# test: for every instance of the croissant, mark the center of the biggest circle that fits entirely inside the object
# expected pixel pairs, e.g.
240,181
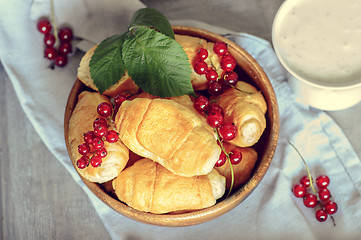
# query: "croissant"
168,133
191,45
243,170
245,107
125,84
81,121
147,186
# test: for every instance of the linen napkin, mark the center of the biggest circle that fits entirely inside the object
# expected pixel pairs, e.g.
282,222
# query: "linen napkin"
270,212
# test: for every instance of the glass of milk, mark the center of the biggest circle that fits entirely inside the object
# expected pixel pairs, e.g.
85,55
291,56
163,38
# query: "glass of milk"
319,43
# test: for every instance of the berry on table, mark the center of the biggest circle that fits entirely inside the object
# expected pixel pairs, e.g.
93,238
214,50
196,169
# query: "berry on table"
305,181
299,190
322,181
331,207
50,53
65,48
310,200
44,26
324,194
65,34
321,215
61,60
49,40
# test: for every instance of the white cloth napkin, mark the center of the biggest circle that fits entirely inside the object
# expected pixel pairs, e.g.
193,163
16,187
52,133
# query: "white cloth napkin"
270,212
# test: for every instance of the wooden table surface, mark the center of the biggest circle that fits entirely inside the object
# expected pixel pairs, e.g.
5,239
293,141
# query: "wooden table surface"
39,199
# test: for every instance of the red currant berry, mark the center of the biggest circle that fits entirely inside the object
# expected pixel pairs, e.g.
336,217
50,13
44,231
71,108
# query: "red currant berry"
220,48
44,26
102,153
227,131
228,63
119,99
100,131
89,136
82,162
201,104
321,215
97,143
96,161
212,75
61,60
235,156
215,120
215,108
215,88
299,190
200,68
222,160
310,200
83,148
322,181
65,48
305,181
112,136
331,207
202,54
324,194
50,53
104,109
65,34
49,40
100,121
231,78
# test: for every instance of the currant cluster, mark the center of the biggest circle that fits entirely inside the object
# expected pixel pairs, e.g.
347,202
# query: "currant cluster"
322,198
217,82
92,149
226,131
58,54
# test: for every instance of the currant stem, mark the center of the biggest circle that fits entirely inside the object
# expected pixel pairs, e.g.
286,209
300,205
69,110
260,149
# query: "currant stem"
229,161
308,170
52,19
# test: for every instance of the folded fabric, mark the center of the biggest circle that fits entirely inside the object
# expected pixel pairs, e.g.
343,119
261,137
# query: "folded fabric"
270,212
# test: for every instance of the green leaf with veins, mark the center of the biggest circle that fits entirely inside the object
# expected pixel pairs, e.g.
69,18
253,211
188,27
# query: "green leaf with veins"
152,18
157,63
106,64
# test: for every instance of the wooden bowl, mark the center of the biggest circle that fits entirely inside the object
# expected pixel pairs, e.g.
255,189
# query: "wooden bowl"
250,71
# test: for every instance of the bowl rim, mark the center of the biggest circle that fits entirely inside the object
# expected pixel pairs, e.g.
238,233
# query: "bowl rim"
225,205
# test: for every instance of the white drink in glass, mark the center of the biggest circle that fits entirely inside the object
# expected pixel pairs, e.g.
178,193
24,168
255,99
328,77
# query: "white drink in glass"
319,41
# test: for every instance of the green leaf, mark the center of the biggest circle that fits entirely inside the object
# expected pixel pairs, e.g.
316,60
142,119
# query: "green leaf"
106,64
152,18
157,63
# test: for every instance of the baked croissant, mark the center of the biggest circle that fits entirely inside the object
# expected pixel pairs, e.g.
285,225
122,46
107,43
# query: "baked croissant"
191,45
81,121
147,186
125,84
246,108
168,133
243,170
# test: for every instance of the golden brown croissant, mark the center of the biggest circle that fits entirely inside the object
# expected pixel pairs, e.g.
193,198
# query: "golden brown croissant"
191,45
246,109
125,84
81,121
147,186
168,133
243,170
